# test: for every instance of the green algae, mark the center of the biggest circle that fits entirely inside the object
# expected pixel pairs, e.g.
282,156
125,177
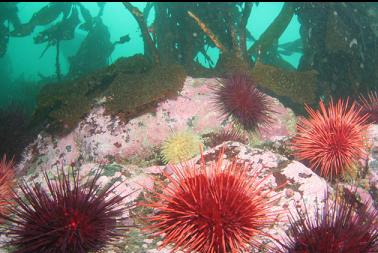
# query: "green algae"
134,94
130,86
300,87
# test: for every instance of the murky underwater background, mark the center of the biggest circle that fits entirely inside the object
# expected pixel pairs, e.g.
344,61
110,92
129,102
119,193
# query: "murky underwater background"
134,87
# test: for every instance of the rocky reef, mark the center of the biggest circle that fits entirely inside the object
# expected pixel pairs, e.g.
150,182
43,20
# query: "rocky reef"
129,154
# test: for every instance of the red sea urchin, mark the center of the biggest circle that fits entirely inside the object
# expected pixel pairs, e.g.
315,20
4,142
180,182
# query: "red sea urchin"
341,226
69,217
237,96
212,209
6,182
369,106
332,139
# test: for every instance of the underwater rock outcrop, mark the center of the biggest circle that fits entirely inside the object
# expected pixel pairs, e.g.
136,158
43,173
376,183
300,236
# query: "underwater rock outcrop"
129,153
101,136
129,87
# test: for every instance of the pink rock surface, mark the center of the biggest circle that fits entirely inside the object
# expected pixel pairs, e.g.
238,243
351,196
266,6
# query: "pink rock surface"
47,152
193,109
100,136
373,158
283,123
365,197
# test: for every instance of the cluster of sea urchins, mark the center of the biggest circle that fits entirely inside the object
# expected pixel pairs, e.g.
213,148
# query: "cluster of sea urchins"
342,225
238,97
331,139
217,208
66,217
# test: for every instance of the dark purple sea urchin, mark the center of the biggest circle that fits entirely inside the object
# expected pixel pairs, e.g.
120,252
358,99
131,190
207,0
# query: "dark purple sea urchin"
237,96
68,217
216,138
369,106
341,226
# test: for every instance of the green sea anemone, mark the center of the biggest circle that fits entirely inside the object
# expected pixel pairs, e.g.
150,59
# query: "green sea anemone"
181,146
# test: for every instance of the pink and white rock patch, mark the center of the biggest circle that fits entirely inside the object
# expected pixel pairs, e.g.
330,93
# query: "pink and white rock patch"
99,136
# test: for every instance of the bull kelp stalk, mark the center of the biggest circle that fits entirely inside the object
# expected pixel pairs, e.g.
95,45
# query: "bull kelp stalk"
147,9
243,27
9,12
237,33
57,63
139,17
176,37
274,31
209,33
238,48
